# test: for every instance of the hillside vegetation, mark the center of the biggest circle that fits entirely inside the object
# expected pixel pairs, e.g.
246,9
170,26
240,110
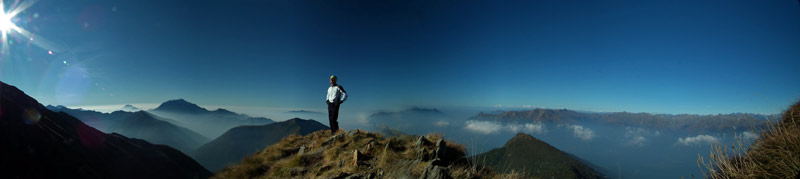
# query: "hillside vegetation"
535,158
243,141
775,154
359,154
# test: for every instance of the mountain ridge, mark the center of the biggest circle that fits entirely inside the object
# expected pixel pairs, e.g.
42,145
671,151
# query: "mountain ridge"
39,143
209,123
720,122
360,154
143,125
240,141
535,158
139,124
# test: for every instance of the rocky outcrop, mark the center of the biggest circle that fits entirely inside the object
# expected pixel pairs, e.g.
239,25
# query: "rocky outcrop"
358,154
438,159
242,141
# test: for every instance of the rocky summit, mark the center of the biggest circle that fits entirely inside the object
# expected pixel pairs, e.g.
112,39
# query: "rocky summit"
359,154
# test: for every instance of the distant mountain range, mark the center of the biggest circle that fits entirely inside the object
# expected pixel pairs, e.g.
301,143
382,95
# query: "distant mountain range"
304,112
39,143
145,126
720,122
141,125
535,158
208,123
242,141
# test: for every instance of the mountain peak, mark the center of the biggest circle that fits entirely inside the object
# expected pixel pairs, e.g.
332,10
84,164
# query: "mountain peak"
375,156
179,105
298,121
129,107
523,137
524,151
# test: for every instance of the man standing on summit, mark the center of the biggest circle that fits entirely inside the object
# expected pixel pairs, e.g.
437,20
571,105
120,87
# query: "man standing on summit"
336,96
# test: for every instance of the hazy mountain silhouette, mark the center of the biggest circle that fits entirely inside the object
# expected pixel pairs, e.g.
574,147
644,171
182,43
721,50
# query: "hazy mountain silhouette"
719,122
141,125
535,158
39,143
210,124
242,141
130,108
180,105
304,112
413,120
98,120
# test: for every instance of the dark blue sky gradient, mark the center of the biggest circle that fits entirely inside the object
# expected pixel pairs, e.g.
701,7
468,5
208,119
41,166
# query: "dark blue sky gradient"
688,56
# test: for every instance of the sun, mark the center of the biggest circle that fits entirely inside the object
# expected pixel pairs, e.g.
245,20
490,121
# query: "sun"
5,22
7,26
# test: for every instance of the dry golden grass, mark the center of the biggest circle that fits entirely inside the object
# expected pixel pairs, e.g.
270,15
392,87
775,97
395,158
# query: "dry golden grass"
775,154
386,157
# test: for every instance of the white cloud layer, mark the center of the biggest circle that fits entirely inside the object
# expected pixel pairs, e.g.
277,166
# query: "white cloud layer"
749,136
581,132
485,127
637,141
636,136
489,127
441,123
529,128
698,140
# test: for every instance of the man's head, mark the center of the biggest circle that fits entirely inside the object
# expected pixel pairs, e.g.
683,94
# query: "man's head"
333,79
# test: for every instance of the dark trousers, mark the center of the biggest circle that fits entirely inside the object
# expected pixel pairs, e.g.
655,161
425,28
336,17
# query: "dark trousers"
333,115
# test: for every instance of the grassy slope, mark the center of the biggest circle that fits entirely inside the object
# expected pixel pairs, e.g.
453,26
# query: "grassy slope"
535,158
391,157
242,141
775,154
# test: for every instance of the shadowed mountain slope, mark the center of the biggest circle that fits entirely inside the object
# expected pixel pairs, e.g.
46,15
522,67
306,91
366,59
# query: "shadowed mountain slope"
141,125
535,158
39,143
239,142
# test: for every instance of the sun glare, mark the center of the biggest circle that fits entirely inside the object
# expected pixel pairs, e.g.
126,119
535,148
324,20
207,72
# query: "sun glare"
5,19
7,26
5,22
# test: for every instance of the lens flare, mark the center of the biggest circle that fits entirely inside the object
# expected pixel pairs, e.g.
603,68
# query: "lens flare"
9,28
31,116
5,22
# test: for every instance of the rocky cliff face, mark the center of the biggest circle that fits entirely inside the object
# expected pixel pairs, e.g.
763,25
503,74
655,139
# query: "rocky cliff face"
39,143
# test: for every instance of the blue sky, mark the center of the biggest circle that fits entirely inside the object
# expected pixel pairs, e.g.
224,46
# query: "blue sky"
701,57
